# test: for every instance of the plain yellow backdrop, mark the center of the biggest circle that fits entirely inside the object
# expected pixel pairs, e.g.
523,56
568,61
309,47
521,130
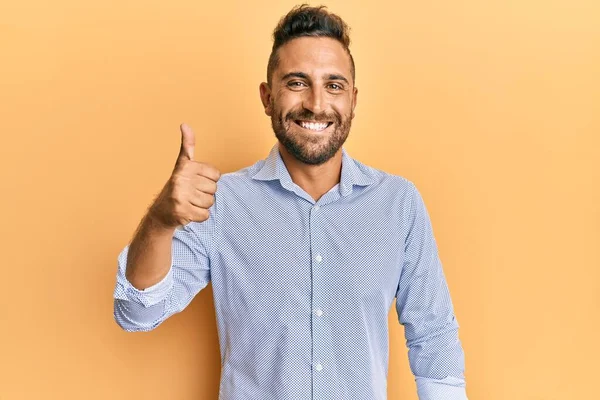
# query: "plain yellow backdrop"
490,107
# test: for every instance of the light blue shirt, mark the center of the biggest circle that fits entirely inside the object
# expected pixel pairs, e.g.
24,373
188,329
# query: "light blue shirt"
303,289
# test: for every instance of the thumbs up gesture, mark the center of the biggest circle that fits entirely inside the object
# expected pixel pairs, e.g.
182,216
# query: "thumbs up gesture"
189,192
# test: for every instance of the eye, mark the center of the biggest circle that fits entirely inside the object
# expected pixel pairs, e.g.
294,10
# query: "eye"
335,86
296,84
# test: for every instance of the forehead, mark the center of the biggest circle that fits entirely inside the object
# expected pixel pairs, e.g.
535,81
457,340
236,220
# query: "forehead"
314,56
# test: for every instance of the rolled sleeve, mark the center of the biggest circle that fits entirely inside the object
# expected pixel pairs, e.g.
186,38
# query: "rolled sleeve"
449,388
147,297
425,310
139,310
144,310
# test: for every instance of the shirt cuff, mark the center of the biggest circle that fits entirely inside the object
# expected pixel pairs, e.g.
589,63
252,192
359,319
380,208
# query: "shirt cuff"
147,297
449,388
154,294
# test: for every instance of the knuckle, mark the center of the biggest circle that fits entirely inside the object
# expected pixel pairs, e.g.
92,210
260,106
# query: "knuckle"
207,201
210,172
176,196
201,168
204,200
205,186
212,188
176,181
204,214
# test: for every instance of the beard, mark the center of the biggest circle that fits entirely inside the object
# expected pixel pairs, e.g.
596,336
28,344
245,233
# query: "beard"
316,148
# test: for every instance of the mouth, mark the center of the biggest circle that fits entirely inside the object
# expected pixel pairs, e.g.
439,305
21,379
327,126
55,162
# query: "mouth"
313,126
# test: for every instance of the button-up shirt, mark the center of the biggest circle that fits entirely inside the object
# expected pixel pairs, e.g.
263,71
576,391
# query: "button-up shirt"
303,288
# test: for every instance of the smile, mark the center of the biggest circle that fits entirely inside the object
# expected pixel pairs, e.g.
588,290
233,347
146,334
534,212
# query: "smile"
313,126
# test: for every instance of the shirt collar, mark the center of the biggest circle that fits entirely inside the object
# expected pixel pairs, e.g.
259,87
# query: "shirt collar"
274,168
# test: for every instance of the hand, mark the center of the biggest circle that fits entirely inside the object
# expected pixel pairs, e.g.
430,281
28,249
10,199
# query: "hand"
189,192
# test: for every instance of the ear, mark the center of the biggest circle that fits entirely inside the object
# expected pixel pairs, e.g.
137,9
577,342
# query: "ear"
265,97
354,100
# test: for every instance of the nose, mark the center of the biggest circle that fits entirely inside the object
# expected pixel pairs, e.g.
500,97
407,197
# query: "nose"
313,100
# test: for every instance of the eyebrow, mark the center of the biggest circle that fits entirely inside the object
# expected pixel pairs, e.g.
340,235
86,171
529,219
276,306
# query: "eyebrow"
302,75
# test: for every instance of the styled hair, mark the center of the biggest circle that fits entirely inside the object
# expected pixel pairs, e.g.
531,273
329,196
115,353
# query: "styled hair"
304,20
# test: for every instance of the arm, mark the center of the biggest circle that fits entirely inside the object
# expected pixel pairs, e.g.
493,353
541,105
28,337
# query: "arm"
164,267
425,310
168,268
149,254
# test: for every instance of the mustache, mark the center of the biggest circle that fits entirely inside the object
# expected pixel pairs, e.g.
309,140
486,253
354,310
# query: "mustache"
308,115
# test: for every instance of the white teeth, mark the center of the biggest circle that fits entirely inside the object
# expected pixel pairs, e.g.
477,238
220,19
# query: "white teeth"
313,126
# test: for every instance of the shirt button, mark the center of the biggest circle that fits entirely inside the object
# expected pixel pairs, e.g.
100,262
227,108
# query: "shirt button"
318,312
319,258
316,208
318,367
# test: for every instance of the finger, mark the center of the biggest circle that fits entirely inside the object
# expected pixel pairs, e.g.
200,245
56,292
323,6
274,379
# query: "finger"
202,200
188,142
208,171
205,185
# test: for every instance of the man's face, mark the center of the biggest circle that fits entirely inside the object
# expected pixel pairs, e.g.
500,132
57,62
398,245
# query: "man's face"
312,98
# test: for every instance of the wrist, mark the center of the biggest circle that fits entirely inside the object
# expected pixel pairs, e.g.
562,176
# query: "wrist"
156,224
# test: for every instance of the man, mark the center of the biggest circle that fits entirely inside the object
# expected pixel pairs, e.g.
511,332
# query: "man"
306,249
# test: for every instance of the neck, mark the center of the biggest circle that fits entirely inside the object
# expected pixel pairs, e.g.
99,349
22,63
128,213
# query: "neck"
316,180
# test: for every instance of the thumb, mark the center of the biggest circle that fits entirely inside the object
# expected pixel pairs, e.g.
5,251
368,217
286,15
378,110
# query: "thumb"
188,141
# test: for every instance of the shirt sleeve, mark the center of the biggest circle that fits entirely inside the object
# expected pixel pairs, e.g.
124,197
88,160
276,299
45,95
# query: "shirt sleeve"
425,310
144,310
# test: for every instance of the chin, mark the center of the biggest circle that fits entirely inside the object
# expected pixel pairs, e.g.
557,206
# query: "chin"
309,156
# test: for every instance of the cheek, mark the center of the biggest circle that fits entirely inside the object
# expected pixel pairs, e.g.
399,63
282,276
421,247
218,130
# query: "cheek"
289,100
343,107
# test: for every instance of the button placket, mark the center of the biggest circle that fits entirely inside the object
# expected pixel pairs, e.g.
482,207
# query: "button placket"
319,329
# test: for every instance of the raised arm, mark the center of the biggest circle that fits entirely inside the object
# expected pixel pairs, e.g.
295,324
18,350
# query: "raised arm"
167,262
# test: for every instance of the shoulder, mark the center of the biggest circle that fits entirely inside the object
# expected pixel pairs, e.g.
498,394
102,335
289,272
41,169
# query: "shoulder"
241,175
391,181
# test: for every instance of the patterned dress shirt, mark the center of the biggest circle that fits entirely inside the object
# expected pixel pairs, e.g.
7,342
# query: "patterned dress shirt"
303,288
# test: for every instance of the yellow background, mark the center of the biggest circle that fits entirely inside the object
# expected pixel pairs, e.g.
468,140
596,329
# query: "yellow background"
490,107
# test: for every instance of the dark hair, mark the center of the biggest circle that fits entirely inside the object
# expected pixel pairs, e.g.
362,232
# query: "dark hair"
304,20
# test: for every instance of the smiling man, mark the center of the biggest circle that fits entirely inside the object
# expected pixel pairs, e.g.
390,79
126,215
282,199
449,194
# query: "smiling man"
310,97
307,250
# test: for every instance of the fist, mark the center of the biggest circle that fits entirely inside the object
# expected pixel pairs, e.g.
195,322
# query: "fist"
190,191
